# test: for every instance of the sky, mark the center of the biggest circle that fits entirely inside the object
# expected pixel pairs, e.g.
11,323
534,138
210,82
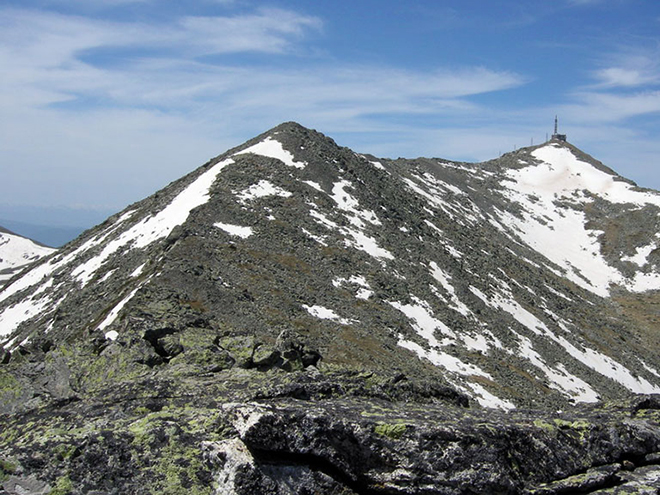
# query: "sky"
103,102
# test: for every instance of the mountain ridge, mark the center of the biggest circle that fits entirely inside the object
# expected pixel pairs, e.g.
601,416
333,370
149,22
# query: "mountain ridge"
360,231
292,269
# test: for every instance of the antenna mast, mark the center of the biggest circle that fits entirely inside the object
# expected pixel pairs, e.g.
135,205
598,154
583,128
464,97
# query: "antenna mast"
556,136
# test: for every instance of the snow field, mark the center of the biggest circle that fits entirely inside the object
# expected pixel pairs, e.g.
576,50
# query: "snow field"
364,290
17,251
560,233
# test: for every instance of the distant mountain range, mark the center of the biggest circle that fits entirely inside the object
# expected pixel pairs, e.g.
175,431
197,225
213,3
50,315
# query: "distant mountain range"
44,234
16,252
296,317
52,226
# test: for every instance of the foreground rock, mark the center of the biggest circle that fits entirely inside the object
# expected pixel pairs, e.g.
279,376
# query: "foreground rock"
204,437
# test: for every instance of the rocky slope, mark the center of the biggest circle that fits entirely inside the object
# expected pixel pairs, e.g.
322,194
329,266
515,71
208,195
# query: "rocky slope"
16,252
294,317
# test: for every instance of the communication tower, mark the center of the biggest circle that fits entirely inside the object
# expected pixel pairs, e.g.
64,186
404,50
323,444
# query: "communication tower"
556,136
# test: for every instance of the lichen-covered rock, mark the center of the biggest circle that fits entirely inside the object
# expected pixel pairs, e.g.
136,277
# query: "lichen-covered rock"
211,434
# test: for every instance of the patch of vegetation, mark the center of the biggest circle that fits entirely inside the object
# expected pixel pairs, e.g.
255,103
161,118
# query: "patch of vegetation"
10,388
393,431
7,468
63,486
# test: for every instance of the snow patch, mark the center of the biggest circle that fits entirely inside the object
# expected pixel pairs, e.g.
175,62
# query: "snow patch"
23,311
327,314
424,323
157,226
137,271
367,244
348,203
445,280
112,315
364,290
315,185
486,399
323,220
272,148
235,230
560,232
589,357
558,378
262,189
641,254
317,238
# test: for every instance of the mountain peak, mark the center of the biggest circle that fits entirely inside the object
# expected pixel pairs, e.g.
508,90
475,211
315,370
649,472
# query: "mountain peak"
289,127
319,224
291,286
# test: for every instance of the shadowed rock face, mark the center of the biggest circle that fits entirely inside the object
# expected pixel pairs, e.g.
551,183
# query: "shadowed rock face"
294,317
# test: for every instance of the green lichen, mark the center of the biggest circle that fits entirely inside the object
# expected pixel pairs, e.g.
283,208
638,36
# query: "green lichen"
7,468
162,444
573,425
63,486
10,388
8,436
544,425
64,451
389,430
240,348
179,467
200,353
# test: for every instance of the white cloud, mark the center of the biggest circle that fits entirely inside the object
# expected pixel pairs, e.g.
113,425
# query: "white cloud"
626,77
49,37
597,107
100,102
626,87
268,31
155,114
628,68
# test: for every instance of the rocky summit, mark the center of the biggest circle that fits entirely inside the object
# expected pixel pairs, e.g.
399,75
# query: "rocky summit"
294,317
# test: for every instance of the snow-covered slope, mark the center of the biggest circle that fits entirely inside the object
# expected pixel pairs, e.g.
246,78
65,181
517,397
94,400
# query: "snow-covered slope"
554,194
516,281
16,252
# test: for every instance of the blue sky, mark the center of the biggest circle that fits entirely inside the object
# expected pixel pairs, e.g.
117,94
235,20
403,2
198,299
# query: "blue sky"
102,102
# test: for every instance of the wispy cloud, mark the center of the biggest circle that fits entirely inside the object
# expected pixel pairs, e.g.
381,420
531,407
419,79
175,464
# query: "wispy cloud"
627,85
74,70
51,59
613,77
267,31
598,107
628,68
